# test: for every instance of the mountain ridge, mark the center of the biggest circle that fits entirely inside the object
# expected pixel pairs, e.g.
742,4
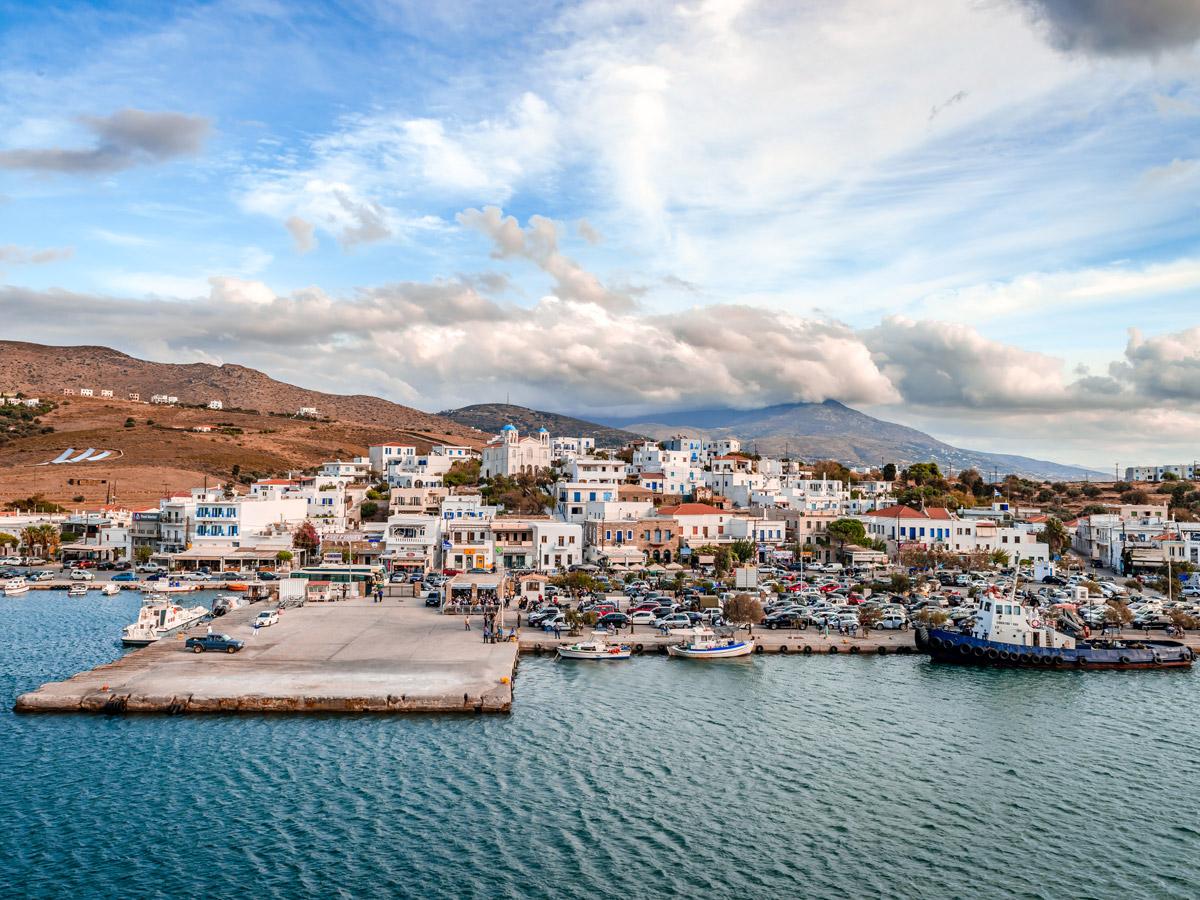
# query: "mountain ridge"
832,430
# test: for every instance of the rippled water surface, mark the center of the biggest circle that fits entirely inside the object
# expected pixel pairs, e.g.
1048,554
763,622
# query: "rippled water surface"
768,777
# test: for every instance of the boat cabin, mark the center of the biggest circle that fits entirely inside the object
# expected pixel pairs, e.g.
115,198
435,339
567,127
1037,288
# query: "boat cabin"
1005,620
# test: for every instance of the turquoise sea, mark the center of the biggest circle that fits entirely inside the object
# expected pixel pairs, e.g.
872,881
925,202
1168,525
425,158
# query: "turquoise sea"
767,777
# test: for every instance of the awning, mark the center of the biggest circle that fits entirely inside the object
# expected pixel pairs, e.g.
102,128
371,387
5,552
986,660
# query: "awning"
624,555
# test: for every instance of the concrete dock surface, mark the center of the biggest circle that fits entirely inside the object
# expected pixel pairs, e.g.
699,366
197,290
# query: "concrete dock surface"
346,656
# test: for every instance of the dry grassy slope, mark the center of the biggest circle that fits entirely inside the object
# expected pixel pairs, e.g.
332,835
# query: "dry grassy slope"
168,456
41,370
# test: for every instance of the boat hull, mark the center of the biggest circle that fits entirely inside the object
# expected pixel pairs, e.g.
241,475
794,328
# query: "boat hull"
16,592
144,639
963,649
743,648
613,653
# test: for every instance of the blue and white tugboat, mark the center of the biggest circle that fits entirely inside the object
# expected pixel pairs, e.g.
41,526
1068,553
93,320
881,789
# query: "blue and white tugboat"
1006,633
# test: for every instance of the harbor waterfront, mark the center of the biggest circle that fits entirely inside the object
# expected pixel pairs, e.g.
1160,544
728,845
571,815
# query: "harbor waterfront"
869,776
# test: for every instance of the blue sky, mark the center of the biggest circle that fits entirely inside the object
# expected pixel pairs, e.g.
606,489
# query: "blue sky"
951,215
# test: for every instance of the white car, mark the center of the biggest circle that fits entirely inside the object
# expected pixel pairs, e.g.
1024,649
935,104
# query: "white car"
10,561
642,617
674,620
266,617
82,575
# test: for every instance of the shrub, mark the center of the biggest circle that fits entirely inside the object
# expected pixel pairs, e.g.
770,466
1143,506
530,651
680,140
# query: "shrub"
743,608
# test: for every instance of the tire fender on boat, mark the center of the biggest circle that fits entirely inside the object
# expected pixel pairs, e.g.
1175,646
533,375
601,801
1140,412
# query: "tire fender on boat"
1024,658
1124,660
977,651
993,653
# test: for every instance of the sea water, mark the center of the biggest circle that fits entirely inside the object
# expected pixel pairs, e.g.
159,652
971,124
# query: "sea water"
765,777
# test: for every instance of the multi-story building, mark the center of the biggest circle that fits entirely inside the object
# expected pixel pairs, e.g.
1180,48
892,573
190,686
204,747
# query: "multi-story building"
557,545
564,448
411,542
587,480
383,456
1182,471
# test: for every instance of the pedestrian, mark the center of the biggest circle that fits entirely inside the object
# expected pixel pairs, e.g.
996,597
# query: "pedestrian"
209,630
254,631
467,623
557,629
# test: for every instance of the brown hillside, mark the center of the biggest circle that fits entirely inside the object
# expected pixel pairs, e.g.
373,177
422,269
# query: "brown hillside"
152,459
40,370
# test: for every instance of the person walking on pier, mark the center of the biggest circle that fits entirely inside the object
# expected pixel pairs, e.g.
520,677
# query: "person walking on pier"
466,623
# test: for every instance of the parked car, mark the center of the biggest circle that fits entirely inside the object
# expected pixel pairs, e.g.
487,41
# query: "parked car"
642,617
433,599
267,617
267,576
125,576
397,578
613,620
10,561
674,620
785,619
214,642
556,617
41,576
82,575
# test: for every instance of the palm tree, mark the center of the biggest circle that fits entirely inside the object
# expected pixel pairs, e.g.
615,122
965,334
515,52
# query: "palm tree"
50,541
1054,535
30,537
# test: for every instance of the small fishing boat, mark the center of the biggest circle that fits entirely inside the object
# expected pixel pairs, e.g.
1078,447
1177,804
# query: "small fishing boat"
15,586
596,647
78,589
110,589
707,644
237,586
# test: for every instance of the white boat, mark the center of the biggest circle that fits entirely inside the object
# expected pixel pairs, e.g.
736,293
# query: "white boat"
170,586
708,645
157,619
597,647
78,589
15,586
111,588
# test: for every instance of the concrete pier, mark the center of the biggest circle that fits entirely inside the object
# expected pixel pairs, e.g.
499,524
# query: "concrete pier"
346,656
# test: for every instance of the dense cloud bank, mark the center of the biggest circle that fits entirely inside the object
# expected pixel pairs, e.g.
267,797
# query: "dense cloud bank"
448,343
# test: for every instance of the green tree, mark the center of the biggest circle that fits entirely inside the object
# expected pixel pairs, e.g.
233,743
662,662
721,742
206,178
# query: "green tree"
141,555
462,472
1054,535
284,556
743,550
846,531
923,473
367,509
8,540
889,472
999,558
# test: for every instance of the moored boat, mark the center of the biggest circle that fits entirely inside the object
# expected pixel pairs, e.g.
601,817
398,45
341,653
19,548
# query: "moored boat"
111,588
78,589
159,618
15,586
707,644
597,647
170,586
1006,633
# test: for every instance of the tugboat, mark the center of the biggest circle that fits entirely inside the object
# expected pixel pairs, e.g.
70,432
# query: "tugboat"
1006,633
